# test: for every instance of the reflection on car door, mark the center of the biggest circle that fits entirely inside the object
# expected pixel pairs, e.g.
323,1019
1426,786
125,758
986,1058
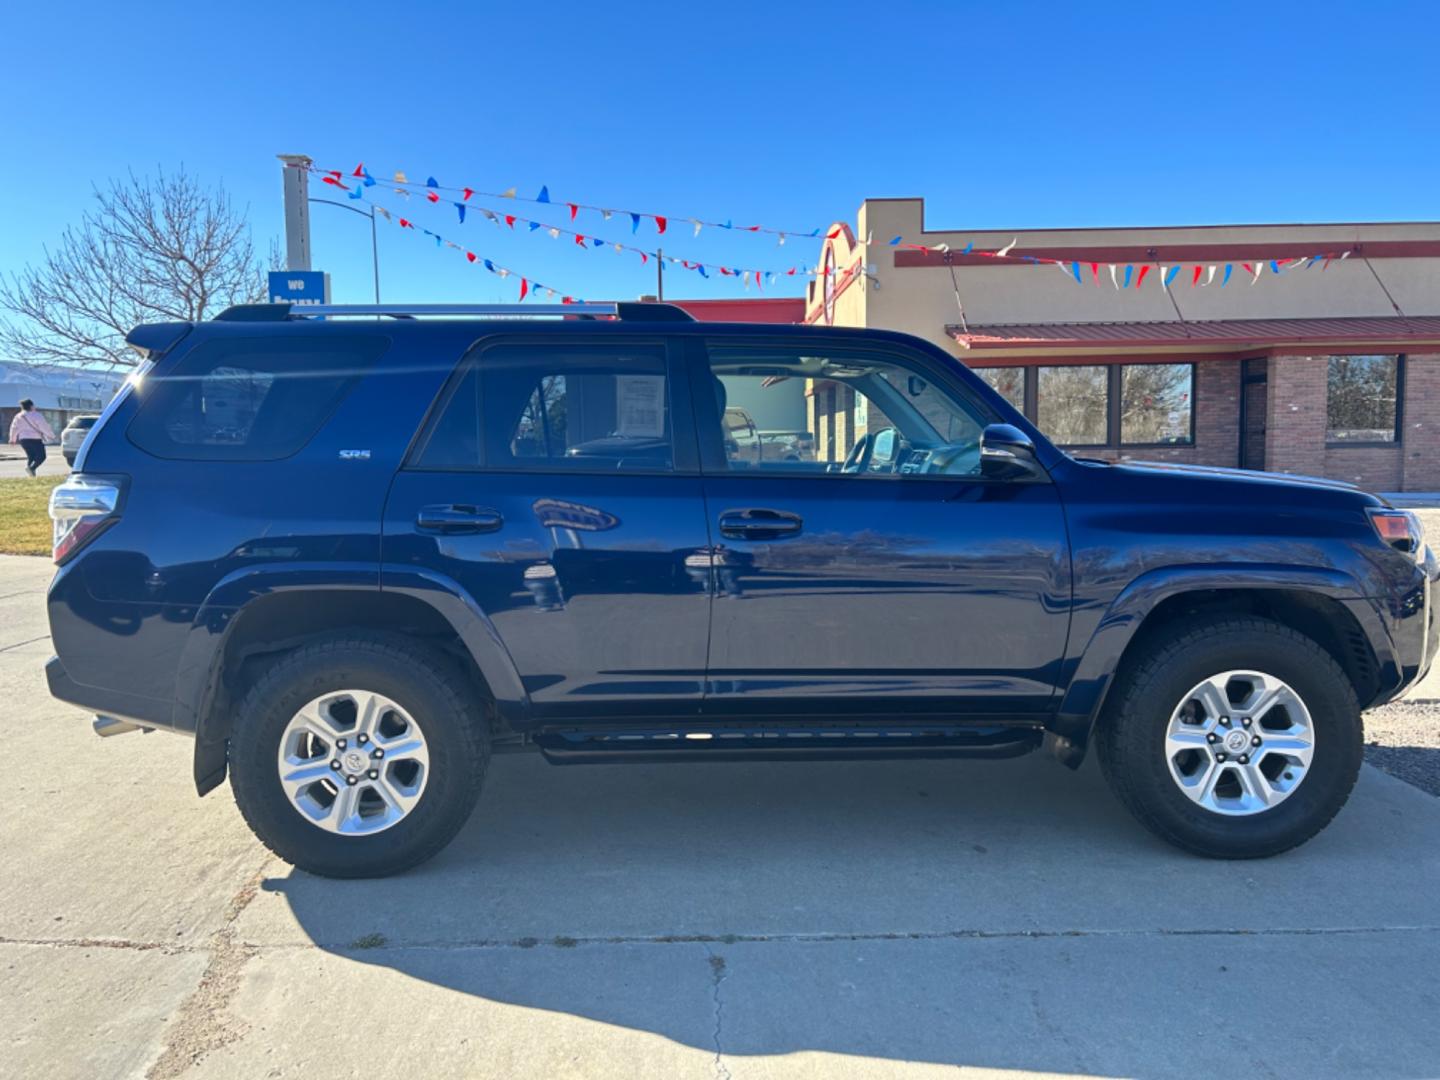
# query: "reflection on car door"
850,593
557,488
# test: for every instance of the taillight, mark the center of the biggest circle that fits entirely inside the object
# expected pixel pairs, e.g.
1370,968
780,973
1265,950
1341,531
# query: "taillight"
81,508
1401,529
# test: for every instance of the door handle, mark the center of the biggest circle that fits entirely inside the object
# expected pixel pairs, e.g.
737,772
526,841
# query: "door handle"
455,518
759,524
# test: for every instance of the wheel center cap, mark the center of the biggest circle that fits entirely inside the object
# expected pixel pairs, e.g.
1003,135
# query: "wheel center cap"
354,762
1236,741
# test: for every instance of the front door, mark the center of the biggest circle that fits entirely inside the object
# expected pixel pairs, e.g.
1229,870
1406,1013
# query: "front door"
556,487
1253,404
880,572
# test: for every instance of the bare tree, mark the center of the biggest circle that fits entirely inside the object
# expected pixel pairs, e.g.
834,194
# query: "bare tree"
165,249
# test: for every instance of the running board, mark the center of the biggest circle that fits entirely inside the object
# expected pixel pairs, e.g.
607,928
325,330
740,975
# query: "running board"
576,746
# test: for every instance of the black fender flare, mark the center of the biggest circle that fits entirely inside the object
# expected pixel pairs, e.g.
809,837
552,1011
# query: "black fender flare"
1084,695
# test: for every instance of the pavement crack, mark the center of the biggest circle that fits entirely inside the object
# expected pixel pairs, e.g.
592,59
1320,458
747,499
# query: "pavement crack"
718,974
21,644
203,1022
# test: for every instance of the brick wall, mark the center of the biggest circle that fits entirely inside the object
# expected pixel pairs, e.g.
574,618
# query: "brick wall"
1420,431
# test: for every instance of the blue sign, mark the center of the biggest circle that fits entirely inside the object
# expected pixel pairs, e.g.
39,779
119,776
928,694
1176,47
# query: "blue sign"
299,287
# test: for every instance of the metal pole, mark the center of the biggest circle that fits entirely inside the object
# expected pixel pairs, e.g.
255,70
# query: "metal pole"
660,274
297,211
374,255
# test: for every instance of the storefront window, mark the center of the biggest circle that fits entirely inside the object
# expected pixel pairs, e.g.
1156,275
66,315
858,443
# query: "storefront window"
1073,404
1156,404
1008,382
1361,399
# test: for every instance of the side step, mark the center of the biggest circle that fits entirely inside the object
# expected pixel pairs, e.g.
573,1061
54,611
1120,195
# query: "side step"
576,746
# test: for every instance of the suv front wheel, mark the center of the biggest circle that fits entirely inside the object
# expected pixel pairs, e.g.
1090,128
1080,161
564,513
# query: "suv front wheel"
358,757
1234,738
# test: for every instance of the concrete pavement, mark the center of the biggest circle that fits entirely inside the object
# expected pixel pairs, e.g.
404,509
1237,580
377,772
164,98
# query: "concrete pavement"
770,920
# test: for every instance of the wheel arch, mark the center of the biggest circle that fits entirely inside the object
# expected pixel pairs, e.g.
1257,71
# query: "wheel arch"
246,623
1324,605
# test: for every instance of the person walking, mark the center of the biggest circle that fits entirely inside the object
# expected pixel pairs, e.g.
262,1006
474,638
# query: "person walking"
30,430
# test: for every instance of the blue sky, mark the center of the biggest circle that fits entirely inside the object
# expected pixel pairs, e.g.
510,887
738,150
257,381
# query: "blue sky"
1001,115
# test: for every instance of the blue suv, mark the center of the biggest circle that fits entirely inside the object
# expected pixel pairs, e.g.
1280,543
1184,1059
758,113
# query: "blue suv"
353,552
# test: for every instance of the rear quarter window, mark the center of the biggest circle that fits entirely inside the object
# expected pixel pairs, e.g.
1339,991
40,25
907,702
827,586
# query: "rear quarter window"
249,399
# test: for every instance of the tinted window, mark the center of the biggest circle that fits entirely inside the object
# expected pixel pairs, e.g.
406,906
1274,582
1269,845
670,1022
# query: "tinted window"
256,399
1361,395
1156,403
846,413
1072,404
556,407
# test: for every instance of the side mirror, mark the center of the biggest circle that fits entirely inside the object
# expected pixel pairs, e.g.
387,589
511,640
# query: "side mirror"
1007,453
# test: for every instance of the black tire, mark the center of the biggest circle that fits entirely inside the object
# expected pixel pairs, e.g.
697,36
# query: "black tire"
1130,740
424,684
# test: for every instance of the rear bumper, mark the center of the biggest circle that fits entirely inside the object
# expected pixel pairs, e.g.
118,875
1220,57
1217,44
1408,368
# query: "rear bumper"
141,711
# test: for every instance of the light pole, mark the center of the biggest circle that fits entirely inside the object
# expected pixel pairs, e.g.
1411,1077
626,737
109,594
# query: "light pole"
374,250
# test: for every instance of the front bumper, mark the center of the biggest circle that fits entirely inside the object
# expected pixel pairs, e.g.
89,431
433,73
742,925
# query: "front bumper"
1414,629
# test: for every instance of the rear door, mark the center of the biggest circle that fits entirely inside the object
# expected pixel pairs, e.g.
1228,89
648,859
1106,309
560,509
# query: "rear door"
557,484
885,575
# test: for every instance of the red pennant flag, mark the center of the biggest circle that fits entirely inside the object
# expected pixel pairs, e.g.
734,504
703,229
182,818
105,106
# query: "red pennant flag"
510,220
1141,279
1196,279
470,255
833,233
790,272
580,240
359,170
468,193
644,258
524,288
406,224
333,172
1095,272
331,180
1248,268
573,210
433,197
659,224
752,228
724,271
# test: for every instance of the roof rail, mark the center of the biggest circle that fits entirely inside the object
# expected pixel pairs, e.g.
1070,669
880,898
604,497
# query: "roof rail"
628,312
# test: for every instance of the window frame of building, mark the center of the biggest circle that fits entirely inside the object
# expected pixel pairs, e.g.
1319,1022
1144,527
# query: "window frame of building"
1114,404
1399,418
683,449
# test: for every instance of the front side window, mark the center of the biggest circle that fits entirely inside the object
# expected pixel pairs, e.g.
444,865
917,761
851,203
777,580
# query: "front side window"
1073,404
839,414
1362,393
556,408
249,399
1156,404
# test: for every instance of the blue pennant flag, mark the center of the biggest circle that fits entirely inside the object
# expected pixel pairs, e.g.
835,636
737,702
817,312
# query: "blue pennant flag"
701,268
728,225
968,248
896,240
1128,271
460,206
815,233
432,183
1075,269
358,193
1171,275
489,266
544,195
369,180
597,241
534,225
1274,267
1225,280
634,223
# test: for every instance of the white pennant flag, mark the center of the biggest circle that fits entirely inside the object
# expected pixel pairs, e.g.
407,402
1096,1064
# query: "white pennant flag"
383,212
554,234
490,214
1164,273
1210,276
503,272
745,279
870,237
1006,249
1344,255
1113,279
550,292
1259,266
942,248
607,214
697,226
782,240
620,247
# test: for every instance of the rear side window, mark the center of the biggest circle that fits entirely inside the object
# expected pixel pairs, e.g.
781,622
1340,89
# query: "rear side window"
561,408
250,399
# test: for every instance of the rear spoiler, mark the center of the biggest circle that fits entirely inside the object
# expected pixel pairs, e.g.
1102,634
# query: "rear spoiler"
151,339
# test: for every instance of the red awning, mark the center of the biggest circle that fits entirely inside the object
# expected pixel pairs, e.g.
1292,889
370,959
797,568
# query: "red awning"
1222,333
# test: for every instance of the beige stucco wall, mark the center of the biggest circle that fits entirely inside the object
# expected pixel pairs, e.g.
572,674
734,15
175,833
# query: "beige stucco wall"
920,300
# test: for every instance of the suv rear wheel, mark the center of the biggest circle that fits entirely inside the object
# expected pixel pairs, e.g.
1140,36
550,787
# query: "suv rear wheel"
1233,738
359,757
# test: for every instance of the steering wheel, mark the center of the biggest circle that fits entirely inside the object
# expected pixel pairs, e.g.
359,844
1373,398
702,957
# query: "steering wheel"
858,460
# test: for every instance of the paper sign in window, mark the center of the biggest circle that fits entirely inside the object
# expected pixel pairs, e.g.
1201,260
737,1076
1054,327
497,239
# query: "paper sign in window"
640,405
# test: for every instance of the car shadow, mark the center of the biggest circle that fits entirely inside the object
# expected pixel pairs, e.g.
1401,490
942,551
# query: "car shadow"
963,913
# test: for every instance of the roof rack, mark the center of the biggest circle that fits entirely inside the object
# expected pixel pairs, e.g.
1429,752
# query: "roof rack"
628,312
